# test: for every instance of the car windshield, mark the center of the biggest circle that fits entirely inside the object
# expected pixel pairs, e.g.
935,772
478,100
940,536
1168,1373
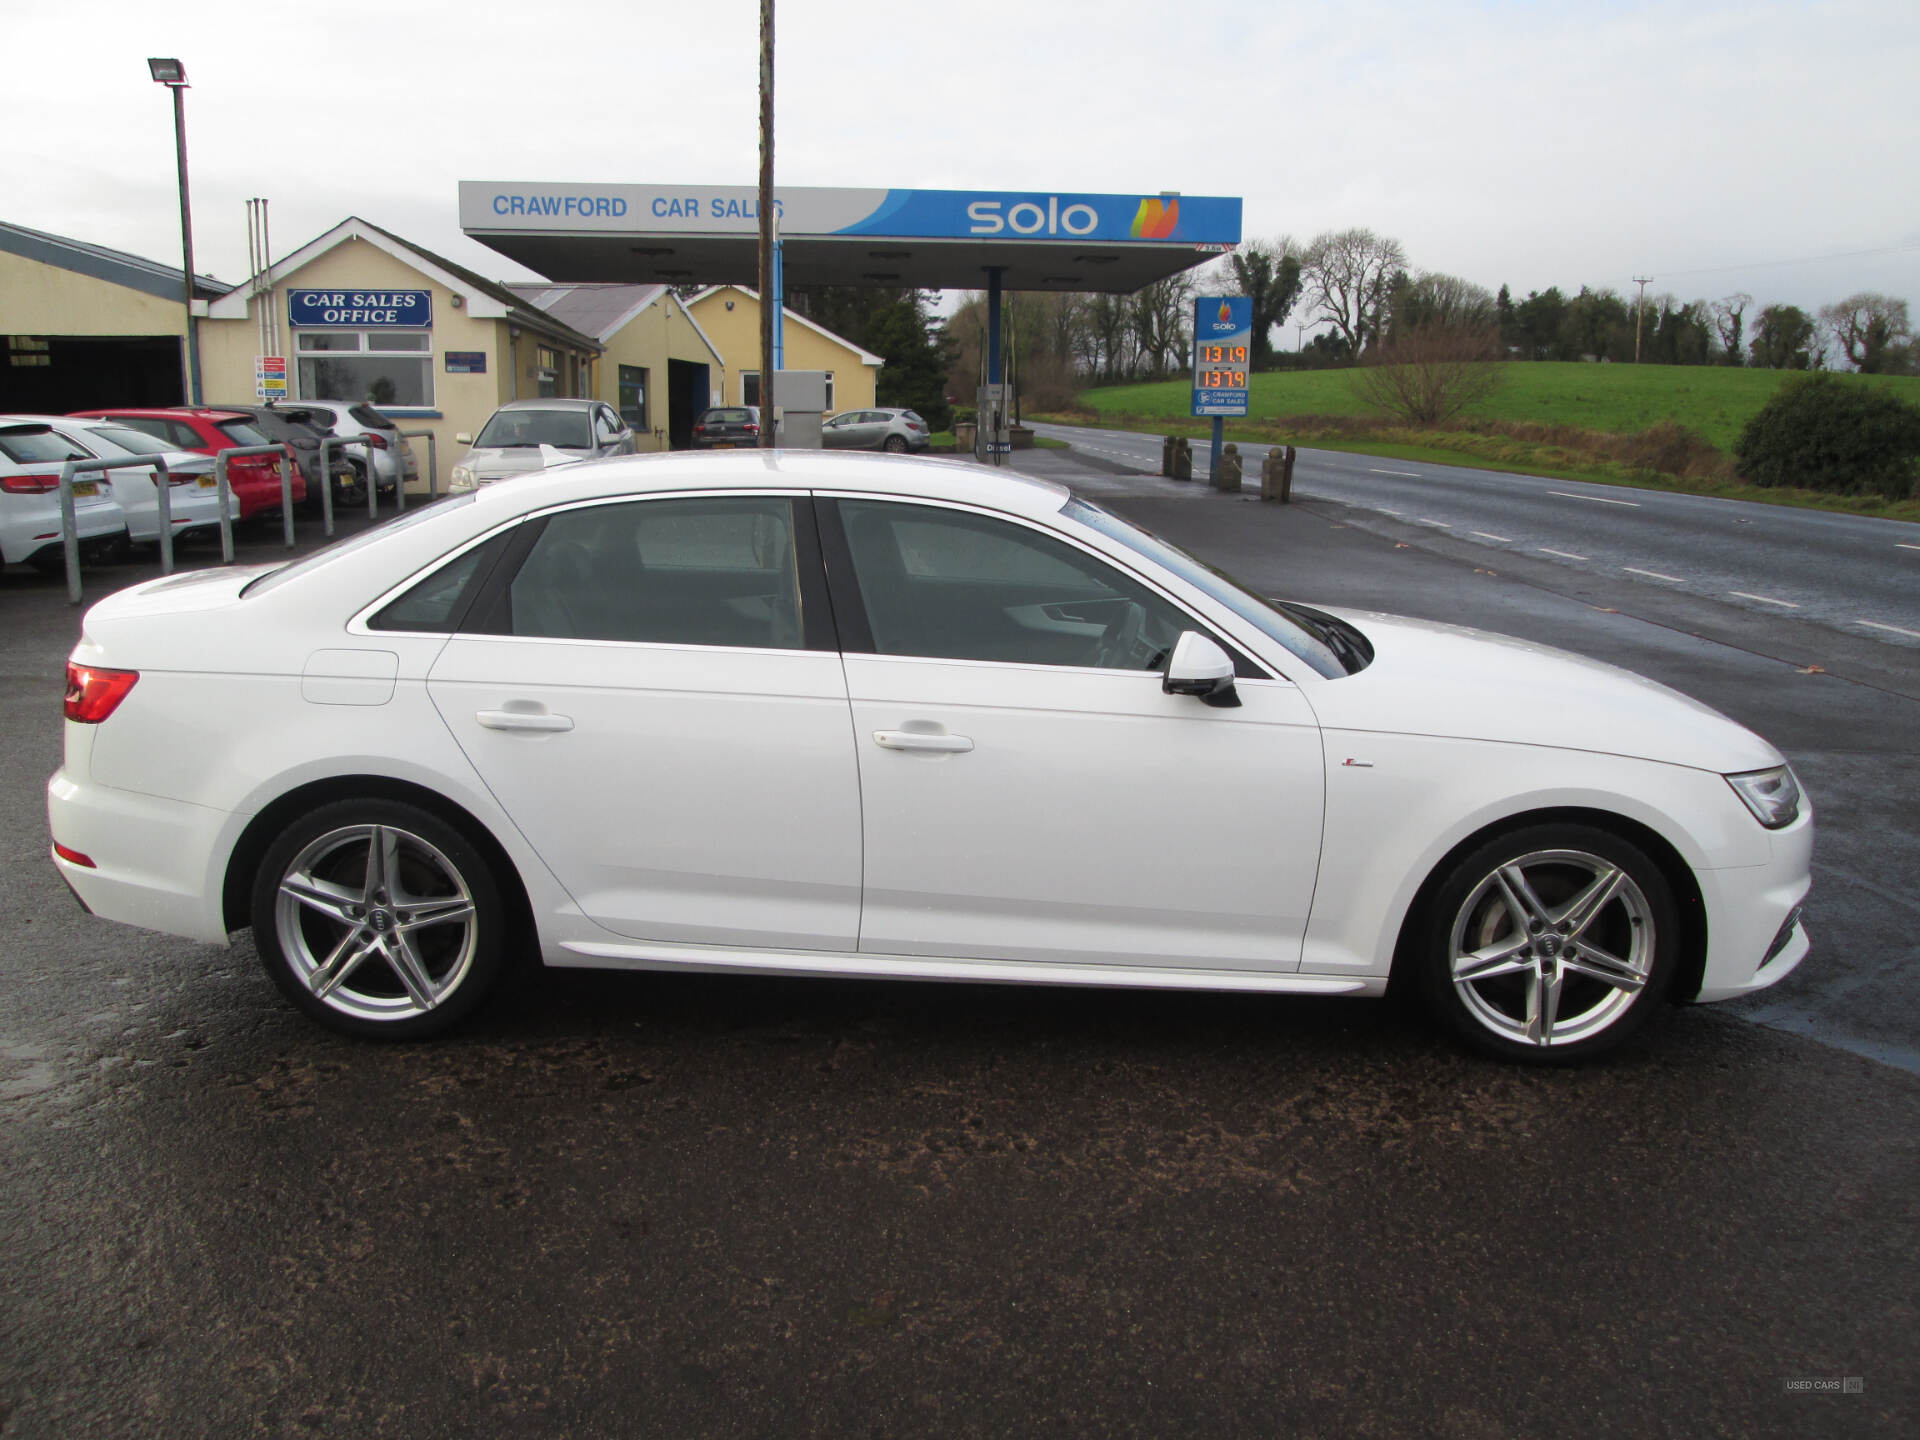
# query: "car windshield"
273,579
512,429
1265,615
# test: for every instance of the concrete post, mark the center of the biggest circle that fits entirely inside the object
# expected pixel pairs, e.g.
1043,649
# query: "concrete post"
1226,470
1182,459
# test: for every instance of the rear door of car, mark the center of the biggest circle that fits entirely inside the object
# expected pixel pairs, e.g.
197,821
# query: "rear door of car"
653,692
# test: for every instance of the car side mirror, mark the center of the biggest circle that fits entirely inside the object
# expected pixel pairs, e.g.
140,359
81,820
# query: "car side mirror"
461,437
1200,668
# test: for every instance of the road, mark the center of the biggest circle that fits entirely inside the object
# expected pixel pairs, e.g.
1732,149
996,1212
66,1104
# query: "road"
1854,575
689,1205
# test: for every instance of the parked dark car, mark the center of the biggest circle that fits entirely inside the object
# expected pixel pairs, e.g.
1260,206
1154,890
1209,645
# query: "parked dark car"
303,438
727,427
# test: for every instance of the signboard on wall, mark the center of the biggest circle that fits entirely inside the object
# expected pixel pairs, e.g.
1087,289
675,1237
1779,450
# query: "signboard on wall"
1222,354
359,309
270,378
466,362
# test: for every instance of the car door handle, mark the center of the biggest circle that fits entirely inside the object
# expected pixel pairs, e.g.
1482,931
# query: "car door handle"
921,740
523,720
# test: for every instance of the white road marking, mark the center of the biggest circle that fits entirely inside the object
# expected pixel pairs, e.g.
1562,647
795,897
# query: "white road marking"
1485,536
1563,554
1876,625
1441,523
1596,499
1764,599
1677,579
1904,546
1403,474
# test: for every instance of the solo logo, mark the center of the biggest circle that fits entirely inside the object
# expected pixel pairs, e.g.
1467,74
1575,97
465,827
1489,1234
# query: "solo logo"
1025,217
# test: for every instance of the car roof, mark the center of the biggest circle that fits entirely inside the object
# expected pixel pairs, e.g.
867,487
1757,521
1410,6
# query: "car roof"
555,402
880,475
162,412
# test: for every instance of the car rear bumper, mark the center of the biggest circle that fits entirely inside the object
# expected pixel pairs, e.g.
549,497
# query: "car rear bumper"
27,529
153,858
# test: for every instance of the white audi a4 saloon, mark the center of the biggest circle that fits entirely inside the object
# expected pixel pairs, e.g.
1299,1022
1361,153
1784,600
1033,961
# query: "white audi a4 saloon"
822,714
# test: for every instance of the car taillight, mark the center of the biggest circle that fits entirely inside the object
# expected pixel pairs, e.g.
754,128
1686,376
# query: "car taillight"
29,484
752,429
93,694
376,440
73,857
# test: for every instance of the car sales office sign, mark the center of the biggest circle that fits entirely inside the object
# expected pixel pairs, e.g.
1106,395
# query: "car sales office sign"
1222,345
360,309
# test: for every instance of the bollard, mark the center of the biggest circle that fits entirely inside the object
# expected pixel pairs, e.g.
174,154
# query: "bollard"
226,507
1182,459
163,501
286,494
1227,477
70,533
1276,475
1166,455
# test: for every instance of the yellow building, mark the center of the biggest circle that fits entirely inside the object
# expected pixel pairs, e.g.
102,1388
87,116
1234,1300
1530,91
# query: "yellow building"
657,367
730,314
361,314
85,326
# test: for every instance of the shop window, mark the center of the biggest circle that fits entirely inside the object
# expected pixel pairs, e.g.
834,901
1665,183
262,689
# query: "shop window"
829,375
546,371
380,367
633,397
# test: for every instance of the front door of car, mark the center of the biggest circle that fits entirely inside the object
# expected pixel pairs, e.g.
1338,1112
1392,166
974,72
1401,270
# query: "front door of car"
1029,790
837,433
655,699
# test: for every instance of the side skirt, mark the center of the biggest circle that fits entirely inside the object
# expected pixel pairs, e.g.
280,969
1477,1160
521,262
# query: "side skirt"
605,955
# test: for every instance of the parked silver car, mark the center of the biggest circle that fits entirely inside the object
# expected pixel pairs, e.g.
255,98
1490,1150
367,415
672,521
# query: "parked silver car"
392,456
528,435
896,430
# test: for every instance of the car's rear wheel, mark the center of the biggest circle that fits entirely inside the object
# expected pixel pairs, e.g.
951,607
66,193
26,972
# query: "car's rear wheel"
895,444
1549,944
379,919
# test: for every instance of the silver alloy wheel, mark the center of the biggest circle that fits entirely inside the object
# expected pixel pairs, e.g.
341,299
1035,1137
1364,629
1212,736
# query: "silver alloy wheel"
376,922
1552,948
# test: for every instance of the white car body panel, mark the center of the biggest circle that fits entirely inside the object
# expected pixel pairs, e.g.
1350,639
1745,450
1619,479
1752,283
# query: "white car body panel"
970,870
190,506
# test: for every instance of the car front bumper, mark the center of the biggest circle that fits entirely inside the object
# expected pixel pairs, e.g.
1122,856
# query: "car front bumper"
1747,908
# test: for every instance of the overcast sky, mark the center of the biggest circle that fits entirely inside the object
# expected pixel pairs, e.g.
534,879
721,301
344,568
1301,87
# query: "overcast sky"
1764,146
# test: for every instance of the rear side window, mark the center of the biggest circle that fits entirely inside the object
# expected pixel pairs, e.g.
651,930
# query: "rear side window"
39,446
243,432
369,417
437,603
134,442
716,572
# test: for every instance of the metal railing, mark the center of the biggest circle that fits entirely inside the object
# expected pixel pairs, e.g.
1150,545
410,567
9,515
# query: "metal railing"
433,463
70,522
327,445
220,460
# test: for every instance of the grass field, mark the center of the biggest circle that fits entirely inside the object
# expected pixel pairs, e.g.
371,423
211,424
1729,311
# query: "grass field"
1569,420
1714,400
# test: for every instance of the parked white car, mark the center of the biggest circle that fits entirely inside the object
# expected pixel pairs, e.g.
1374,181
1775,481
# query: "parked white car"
31,457
523,436
193,494
392,456
817,714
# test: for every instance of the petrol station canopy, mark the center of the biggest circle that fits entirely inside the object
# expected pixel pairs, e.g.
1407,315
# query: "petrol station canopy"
930,239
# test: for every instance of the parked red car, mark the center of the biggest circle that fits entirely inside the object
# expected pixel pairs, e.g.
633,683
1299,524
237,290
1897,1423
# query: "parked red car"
255,478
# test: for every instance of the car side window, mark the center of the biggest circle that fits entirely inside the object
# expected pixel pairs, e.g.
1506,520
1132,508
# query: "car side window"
436,604
719,571
951,584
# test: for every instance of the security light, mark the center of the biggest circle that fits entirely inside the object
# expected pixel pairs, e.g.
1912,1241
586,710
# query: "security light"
168,72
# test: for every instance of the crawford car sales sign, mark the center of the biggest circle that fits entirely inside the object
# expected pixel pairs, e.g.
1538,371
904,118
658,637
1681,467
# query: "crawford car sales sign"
359,309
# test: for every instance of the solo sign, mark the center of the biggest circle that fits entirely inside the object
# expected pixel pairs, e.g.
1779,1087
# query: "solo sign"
1222,352
359,309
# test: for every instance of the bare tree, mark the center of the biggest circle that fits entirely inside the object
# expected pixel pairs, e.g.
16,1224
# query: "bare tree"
1349,278
1729,319
1871,331
1429,374
1109,324
1159,312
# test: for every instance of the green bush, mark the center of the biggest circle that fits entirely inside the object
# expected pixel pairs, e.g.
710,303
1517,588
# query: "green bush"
1822,434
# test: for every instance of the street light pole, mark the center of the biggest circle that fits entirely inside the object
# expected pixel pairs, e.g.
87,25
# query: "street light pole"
173,75
768,297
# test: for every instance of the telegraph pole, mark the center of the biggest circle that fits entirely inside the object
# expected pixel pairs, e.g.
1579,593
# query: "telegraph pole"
767,298
1639,309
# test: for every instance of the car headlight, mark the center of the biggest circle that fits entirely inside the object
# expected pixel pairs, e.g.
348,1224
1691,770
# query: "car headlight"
1772,795
462,478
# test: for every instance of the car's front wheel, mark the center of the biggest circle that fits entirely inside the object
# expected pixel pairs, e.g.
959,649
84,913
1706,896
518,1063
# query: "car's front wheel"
1553,943
379,919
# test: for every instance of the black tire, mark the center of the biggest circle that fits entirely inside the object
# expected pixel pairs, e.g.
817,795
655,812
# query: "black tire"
430,947
894,445
1558,987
